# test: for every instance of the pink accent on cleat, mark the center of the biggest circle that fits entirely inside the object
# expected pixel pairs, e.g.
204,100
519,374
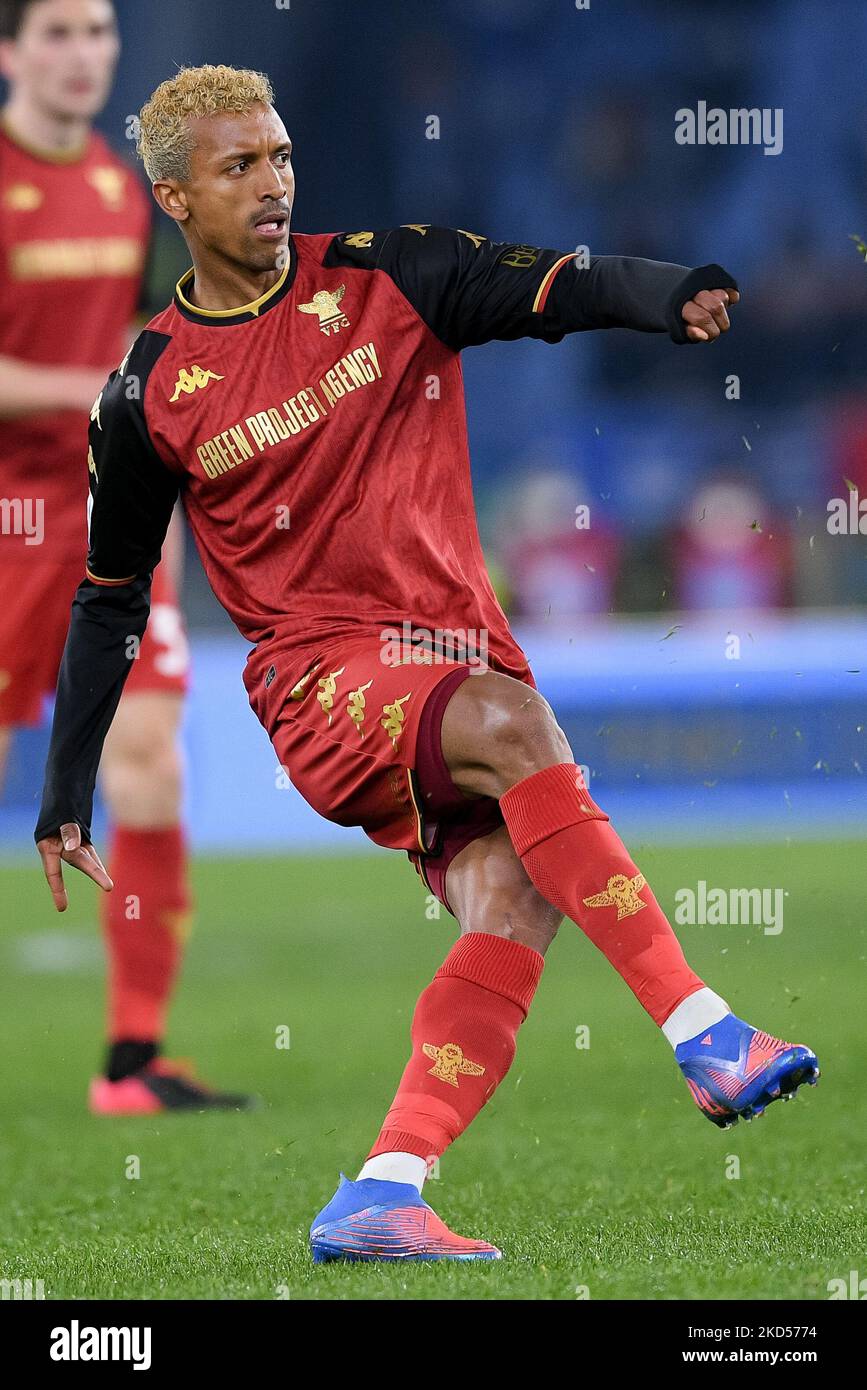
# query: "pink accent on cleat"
127,1097
401,1233
763,1049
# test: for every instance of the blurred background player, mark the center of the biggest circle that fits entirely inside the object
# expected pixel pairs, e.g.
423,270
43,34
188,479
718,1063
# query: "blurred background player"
74,228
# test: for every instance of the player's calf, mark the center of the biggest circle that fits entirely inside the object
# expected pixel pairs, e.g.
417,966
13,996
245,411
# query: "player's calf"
489,891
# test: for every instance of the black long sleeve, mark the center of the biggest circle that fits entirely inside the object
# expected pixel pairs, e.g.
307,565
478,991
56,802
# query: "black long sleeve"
132,498
629,292
105,626
470,290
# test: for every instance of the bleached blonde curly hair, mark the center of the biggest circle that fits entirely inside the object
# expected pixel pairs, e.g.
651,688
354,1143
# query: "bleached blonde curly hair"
166,139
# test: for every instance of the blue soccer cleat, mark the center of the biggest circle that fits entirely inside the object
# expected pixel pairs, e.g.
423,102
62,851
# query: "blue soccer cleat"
378,1220
734,1071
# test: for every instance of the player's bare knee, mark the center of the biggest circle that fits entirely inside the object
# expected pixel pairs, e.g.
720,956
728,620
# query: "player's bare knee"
497,731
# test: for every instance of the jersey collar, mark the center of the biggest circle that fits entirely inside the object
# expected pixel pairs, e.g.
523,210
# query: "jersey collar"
218,318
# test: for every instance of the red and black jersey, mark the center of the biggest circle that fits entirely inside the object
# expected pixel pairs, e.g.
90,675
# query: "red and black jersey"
73,237
317,438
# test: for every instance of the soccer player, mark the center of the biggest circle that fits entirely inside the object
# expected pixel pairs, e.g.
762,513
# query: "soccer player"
303,396
74,225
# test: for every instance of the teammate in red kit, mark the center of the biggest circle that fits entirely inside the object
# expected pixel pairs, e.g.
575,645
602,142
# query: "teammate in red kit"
74,227
316,381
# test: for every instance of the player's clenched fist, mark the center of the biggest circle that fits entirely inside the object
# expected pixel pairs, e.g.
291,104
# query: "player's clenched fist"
67,846
706,314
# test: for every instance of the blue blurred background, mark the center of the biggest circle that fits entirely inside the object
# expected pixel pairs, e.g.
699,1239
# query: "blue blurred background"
703,640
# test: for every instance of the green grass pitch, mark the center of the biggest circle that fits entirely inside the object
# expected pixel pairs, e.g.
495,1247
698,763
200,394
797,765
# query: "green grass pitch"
591,1168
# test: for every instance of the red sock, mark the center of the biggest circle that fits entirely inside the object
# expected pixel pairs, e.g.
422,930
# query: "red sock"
463,1042
144,920
579,863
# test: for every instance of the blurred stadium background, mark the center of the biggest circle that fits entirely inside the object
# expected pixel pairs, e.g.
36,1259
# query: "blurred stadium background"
704,643
708,515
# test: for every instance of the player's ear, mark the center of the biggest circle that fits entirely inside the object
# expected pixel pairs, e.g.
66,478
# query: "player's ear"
172,199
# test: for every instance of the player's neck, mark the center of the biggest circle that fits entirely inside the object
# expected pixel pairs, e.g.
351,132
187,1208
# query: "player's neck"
222,287
41,132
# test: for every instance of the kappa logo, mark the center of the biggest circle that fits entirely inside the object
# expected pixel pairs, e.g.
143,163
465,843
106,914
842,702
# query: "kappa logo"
300,690
356,706
325,305
193,380
394,714
327,691
449,1063
620,892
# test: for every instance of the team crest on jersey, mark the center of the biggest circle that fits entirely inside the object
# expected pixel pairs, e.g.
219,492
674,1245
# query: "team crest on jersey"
449,1063
110,184
360,239
23,197
621,892
325,305
194,379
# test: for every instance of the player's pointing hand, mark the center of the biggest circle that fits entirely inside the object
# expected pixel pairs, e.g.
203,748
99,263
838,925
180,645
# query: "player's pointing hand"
706,314
67,846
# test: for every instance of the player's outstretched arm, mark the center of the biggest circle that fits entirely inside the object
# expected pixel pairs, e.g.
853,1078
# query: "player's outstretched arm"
106,626
132,497
470,290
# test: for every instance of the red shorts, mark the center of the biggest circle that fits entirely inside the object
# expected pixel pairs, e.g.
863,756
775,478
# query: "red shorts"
360,740
34,619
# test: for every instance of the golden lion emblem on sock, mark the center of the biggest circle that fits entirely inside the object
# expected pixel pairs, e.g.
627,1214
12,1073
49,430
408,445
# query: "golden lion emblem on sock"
620,892
449,1062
